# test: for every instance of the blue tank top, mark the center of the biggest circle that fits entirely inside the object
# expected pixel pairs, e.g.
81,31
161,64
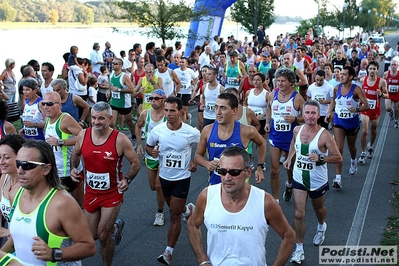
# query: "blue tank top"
2,129
216,146
281,132
342,116
70,108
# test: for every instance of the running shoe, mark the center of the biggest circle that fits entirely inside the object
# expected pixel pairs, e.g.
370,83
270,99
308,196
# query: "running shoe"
298,256
287,195
319,237
189,119
353,167
142,135
370,151
190,207
165,257
282,159
337,183
391,115
362,158
124,128
159,220
396,125
117,236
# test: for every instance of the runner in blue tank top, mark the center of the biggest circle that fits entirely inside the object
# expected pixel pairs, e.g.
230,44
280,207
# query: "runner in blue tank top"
282,115
349,100
227,132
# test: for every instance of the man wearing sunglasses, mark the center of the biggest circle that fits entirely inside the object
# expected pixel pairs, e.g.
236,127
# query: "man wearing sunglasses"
147,121
226,132
311,148
63,234
102,150
147,85
172,142
251,209
60,132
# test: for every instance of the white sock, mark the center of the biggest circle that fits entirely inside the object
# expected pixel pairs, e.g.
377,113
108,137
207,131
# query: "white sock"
353,160
278,201
338,176
187,212
288,184
299,246
321,227
170,249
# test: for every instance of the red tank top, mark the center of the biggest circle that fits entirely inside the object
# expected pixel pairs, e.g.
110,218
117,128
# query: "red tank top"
392,83
246,87
371,94
136,78
102,163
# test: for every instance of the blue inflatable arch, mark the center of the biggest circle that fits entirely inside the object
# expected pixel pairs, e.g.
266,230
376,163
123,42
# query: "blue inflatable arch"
209,24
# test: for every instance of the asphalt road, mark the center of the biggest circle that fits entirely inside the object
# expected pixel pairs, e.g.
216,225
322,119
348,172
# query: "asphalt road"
356,214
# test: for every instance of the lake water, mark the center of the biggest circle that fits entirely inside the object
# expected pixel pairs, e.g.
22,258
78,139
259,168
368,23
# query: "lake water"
48,45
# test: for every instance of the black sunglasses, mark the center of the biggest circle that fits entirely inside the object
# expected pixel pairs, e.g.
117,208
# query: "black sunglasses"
27,165
48,103
154,98
232,172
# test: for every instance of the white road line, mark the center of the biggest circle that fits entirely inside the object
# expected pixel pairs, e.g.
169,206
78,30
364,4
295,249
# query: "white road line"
356,230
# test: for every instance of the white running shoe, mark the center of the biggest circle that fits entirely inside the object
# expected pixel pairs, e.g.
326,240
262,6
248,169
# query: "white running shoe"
320,235
362,158
353,167
282,159
298,256
159,219
337,183
370,151
190,207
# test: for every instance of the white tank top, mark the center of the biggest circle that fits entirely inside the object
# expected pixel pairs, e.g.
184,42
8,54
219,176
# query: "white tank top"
300,64
5,204
257,103
167,81
307,173
211,96
236,238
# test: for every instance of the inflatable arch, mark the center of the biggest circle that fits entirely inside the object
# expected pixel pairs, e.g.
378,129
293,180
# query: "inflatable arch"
208,25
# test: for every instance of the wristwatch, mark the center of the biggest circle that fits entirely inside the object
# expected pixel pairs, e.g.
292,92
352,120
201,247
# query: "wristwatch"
57,254
35,124
128,180
321,158
61,142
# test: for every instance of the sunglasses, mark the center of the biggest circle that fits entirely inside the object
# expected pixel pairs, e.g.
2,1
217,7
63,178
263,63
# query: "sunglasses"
154,98
232,172
115,63
149,72
27,165
49,103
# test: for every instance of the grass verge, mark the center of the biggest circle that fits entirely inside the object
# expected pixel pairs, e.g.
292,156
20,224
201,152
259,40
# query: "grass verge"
391,232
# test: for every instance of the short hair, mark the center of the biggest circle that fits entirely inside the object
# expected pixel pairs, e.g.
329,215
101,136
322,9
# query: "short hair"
33,62
3,110
351,71
321,73
232,90
354,51
103,68
120,60
160,59
275,57
261,75
136,45
9,62
233,151
30,83
63,84
14,141
95,45
177,44
328,64
232,99
101,106
122,53
312,103
47,157
131,50
149,46
66,56
92,80
214,70
172,99
73,49
287,73
26,70
49,66
374,63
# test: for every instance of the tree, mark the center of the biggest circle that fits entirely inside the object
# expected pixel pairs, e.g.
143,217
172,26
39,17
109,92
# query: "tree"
162,17
7,12
246,13
84,14
53,16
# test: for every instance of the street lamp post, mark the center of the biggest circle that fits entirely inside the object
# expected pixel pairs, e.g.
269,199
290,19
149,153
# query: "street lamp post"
376,20
368,28
345,5
360,12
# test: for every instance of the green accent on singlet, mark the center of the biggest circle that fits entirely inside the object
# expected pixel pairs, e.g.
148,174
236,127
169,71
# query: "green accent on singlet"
52,240
305,173
7,258
148,120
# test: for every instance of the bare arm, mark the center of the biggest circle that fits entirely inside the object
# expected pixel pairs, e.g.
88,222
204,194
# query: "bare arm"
83,78
140,123
177,82
291,153
303,81
261,146
276,219
334,155
75,155
10,129
124,147
194,227
78,101
251,117
201,149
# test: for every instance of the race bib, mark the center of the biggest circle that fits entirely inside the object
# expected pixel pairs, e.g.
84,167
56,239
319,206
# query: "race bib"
98,181
174,160
115,94
210,106
231,81
318,97
31,131
304,163
372,103
281,125
184,86
344,113
5,210
257,110
393,88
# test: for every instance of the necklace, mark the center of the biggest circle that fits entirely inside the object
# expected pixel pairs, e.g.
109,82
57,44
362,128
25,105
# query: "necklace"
233,199
283,94
12,185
